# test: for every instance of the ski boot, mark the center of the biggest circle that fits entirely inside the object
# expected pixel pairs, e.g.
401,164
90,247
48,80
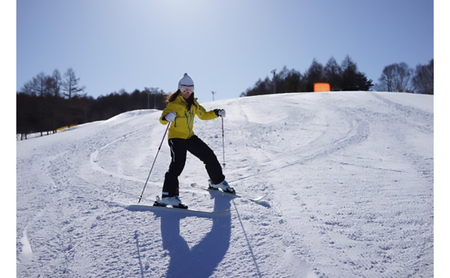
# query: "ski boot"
174,201
223,185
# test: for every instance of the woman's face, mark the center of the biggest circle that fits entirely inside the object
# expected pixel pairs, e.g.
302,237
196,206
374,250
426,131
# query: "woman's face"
186,91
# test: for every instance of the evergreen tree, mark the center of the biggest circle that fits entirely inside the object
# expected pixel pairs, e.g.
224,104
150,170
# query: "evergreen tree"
314,74
352,79
333,73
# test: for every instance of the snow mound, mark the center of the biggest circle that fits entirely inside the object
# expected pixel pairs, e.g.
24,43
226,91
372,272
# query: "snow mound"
347,179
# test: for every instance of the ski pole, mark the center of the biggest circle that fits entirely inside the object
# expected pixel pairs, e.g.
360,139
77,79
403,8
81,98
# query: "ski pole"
162,140
223,144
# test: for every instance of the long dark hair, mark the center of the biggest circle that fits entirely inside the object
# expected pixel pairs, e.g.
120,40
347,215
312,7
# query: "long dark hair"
174,95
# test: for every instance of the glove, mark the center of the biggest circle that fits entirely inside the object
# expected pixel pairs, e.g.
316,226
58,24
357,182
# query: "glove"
170,117
220,112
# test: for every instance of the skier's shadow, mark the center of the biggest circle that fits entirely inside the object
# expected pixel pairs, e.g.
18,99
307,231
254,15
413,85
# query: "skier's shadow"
203,258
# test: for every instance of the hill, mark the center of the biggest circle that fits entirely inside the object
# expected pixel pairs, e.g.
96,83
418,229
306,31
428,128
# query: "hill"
347,179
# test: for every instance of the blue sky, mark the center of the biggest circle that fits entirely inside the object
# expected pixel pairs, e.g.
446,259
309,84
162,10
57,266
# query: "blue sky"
226,46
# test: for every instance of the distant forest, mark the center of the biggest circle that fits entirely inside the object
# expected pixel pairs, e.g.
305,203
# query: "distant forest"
49,102
347,77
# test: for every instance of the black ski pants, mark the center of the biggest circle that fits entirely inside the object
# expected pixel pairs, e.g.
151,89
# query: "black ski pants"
178,151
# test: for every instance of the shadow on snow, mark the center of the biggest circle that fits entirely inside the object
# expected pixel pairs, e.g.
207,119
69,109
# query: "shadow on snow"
202,259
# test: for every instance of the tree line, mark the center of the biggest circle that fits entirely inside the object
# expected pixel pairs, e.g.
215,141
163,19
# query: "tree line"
401,78
346,77
49,102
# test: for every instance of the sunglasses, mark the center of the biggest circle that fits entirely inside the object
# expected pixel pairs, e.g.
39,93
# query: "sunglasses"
187,89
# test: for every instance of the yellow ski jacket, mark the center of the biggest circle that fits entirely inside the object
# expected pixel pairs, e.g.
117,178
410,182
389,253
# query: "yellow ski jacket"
183,125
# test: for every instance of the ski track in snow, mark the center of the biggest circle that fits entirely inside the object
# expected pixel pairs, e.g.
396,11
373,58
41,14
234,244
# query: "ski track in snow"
348,176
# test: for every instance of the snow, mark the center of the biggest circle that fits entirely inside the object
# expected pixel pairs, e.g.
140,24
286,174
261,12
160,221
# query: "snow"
347,178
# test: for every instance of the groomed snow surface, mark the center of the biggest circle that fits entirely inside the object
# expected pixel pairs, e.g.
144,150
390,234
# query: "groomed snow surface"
347,179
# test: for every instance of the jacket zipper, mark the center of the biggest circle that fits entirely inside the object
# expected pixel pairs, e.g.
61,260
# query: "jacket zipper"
188,120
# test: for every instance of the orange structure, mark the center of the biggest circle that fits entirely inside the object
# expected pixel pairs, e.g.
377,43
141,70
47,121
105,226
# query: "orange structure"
322,87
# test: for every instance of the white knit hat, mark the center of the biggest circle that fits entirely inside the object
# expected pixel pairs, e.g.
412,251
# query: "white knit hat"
186,80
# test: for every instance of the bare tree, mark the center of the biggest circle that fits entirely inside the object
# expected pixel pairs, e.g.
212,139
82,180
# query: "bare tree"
396,78
423,79
71,89
39,84
70,84
54,83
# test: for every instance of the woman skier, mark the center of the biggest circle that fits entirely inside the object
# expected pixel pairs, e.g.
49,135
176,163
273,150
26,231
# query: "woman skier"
180,111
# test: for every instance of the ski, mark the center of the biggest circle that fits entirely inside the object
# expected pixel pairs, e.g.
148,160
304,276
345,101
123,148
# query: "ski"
199,213
258,199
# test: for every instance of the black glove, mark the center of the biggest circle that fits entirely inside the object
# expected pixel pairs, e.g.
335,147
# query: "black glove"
220,112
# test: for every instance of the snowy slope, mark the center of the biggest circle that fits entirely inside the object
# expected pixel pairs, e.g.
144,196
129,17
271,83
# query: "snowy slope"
348,180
